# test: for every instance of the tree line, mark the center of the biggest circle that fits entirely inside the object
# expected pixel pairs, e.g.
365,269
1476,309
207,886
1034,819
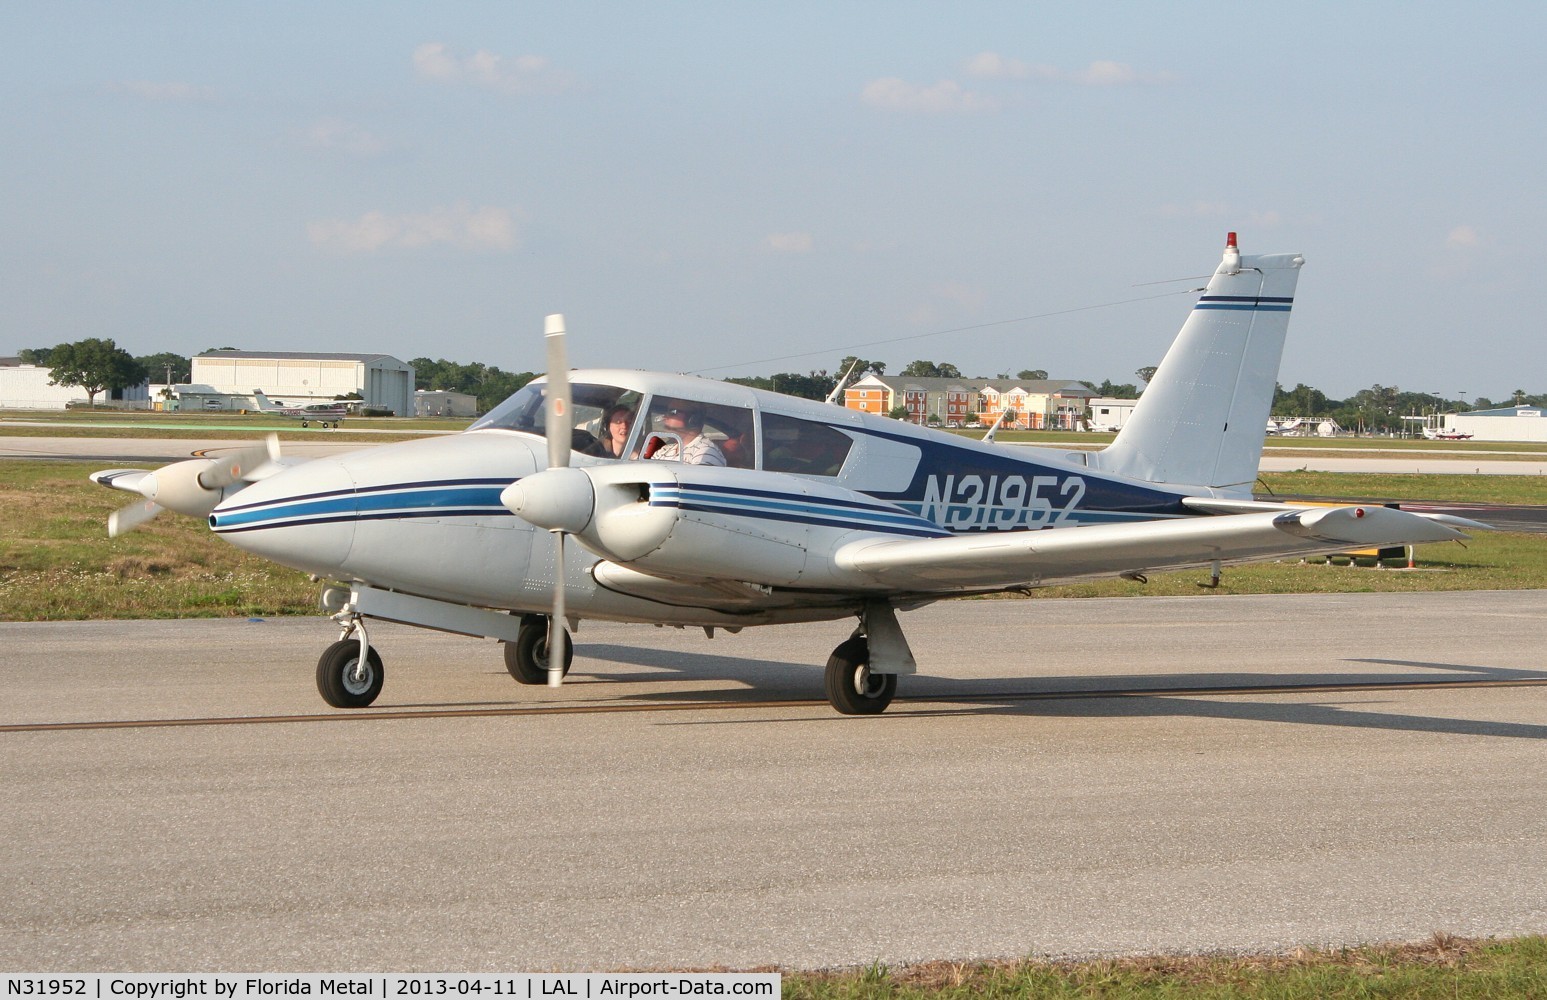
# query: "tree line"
98,364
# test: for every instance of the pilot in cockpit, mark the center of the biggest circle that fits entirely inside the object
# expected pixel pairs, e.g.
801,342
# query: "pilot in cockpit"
686,421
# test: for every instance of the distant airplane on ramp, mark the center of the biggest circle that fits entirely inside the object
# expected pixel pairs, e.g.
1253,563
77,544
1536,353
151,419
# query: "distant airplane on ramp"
329,415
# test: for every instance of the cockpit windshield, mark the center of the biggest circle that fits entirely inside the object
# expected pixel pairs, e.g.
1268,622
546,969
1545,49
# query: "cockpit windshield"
613,422
603,416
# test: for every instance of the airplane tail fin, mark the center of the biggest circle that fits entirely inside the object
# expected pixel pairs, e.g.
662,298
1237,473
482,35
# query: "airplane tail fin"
1202,419
263,401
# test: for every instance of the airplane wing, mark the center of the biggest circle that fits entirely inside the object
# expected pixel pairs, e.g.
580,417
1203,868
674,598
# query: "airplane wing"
126,480
1063,555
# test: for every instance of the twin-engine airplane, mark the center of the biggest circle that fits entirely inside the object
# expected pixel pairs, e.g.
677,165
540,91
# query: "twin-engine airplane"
329,415
542,513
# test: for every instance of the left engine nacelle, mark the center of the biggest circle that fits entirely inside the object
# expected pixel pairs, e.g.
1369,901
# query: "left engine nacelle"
181,487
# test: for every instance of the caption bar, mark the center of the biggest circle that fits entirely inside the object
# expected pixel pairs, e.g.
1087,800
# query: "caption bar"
521,986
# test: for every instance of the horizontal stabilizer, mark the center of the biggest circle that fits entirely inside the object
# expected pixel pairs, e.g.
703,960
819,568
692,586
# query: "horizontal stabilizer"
1218,505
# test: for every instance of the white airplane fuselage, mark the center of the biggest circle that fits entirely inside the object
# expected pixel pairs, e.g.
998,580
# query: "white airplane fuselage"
425,517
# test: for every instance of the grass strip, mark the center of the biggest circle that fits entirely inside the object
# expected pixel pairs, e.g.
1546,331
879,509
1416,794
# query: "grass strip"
57,563
1444,966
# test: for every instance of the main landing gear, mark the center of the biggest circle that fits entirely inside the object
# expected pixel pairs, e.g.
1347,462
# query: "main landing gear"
851,686
861,676
527,657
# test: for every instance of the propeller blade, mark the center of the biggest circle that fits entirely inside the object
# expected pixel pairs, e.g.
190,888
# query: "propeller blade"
126,519
228,469
560,421
558,637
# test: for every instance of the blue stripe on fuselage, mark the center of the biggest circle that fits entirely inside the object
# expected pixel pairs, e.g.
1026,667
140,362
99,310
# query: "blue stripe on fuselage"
968,490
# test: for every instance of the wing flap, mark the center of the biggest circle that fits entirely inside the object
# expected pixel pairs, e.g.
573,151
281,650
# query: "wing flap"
1062,555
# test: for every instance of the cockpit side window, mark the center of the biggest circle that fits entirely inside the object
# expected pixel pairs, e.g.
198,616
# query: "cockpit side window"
727,432
791,444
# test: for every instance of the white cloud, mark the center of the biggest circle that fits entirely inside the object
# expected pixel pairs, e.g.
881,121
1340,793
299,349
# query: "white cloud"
1196,210
946,96
1465,237
1100,73
993,66
970,297
520,76
791,242
344,137
947,302
486,228
151,90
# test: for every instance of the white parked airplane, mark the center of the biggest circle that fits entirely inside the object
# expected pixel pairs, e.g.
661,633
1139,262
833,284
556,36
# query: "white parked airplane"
329,415
817,513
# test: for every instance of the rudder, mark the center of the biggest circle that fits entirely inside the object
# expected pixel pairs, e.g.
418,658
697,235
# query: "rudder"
1202,419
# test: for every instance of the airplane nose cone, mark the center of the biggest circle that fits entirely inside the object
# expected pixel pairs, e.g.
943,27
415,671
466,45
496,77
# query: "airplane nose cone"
555,499
303,517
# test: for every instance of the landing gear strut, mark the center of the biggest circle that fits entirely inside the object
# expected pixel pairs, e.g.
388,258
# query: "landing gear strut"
345,682
851,687
527,657
349,672
862,672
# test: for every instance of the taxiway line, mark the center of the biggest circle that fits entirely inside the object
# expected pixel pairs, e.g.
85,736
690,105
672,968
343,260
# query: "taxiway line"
712,706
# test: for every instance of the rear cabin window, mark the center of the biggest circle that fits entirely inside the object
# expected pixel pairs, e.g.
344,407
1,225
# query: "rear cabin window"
791,444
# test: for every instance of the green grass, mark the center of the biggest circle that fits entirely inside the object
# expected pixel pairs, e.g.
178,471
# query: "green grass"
1443,967
1405,486
57,563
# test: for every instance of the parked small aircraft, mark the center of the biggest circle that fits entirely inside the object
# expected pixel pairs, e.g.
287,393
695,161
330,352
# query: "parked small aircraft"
543,513
329,415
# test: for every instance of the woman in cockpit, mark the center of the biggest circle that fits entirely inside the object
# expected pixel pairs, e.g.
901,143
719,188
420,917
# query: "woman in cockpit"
615,428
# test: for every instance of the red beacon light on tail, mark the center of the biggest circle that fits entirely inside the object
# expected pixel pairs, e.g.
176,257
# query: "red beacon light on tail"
1232,262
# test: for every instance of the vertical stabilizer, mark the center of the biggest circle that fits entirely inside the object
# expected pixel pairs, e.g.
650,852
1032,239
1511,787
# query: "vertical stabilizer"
1201,420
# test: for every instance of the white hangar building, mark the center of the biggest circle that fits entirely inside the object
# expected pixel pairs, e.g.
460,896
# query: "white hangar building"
299,378
27,387
1507,423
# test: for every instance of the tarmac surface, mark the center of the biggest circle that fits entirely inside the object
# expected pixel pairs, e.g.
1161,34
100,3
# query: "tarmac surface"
1074,777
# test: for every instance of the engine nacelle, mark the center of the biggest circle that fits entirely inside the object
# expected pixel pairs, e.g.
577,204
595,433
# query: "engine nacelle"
179,487
699,522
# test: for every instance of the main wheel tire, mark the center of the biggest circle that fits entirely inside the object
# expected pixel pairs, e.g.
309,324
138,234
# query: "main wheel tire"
305,423
338,681
527,657
851,688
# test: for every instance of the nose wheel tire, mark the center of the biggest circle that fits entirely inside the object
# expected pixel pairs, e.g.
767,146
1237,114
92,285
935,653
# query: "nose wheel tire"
851,688
343,681
527,657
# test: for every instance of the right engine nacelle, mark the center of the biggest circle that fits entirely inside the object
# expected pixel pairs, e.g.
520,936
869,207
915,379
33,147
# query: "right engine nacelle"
701,522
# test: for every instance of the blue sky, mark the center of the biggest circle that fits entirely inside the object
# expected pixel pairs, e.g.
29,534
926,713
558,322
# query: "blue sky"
736,188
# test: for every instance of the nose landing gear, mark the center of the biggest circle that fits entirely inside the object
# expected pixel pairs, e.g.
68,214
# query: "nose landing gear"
349,672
